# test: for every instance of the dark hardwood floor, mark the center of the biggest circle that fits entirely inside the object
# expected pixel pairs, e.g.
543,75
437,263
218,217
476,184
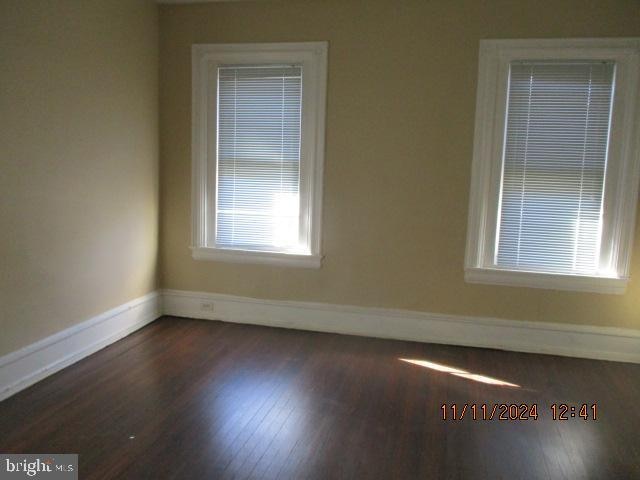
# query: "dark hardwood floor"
191,399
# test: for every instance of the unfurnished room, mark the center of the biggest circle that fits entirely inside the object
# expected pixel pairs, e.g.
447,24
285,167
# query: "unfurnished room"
319,239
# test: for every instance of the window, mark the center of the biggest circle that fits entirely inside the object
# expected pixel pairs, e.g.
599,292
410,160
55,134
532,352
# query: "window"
555,167
258,145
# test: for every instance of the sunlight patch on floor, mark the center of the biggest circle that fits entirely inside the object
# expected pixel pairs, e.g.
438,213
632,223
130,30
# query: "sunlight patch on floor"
459,372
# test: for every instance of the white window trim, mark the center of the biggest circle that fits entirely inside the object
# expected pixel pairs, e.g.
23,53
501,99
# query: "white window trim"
205,60
623,169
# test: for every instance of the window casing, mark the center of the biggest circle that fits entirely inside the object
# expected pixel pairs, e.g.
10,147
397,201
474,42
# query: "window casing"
258,145
555,167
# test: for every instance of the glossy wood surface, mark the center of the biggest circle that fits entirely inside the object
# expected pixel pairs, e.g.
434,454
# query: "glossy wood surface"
192,399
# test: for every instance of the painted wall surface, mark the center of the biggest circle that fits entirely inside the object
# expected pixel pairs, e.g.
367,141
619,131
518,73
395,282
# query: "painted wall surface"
400,120
78,163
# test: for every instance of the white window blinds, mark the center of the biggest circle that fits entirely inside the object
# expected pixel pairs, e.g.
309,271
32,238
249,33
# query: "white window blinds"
555,155
258,157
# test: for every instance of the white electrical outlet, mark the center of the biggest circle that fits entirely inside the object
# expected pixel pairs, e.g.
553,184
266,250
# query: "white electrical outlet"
206,307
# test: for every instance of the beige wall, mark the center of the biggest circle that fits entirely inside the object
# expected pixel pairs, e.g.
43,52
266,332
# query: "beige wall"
401,100
78,161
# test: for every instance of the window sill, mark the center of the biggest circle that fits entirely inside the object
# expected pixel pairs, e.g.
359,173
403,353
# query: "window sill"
265,258
546,280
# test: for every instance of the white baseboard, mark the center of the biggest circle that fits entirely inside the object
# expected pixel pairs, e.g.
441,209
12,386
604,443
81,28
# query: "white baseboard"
603,343
24,367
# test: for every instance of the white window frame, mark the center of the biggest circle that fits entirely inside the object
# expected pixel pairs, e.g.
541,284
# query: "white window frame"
622,171
205,62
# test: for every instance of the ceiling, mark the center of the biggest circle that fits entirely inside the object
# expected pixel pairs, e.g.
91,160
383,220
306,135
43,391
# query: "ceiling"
195,1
